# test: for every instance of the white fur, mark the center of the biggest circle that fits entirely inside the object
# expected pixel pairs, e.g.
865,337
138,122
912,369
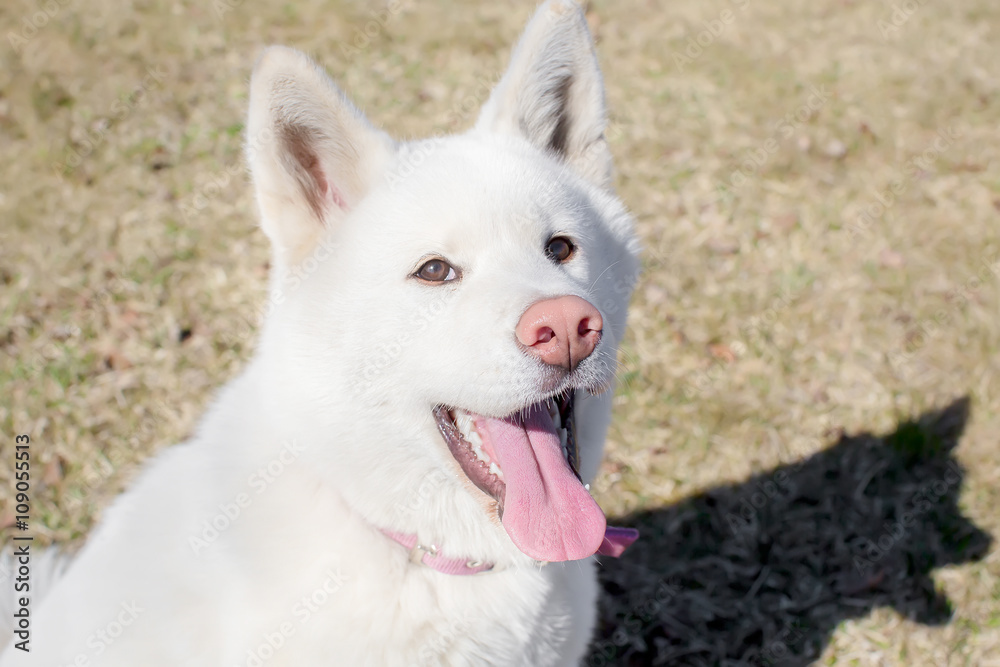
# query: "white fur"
352,357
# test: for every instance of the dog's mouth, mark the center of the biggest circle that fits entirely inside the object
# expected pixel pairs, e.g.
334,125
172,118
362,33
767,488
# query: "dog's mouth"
529,463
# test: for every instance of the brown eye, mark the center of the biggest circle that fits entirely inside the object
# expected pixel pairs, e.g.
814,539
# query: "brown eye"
559,249
436,271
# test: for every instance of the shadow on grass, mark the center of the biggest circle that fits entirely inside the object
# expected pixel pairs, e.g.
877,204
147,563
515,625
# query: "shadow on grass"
760,573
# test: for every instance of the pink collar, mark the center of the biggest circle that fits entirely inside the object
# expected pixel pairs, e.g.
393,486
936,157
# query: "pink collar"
616,540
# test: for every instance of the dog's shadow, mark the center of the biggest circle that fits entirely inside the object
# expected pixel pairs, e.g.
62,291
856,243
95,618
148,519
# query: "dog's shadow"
760,573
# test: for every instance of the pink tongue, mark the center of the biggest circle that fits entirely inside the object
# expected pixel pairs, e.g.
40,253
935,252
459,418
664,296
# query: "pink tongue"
546,511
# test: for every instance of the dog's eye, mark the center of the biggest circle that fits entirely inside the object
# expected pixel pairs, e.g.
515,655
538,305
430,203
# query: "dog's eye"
436,271
559,249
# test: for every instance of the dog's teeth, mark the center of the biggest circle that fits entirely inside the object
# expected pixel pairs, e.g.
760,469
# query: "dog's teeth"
463,420
495,469
466,426
587,486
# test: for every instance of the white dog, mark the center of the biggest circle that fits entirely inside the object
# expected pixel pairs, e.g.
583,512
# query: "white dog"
398,476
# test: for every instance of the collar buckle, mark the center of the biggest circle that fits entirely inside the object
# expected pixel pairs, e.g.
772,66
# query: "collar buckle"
418,552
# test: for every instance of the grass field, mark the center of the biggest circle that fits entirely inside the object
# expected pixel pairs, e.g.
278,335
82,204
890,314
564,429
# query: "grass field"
813,346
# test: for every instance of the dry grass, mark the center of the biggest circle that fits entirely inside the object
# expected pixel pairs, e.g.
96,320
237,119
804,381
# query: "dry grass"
769,320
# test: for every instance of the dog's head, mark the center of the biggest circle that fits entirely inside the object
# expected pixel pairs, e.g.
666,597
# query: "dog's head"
449,309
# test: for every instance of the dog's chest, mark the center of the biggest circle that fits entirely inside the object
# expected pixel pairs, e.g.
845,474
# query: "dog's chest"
424,618
348,597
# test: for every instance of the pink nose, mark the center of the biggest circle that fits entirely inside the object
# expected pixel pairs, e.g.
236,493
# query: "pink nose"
561,331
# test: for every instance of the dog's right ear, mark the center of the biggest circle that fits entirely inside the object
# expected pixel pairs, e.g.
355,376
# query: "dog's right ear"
312,154
552,93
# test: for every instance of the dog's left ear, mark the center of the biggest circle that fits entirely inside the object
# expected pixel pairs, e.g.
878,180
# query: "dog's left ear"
553,94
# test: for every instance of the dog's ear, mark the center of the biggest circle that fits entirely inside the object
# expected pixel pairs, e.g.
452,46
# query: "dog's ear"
553,94
312,154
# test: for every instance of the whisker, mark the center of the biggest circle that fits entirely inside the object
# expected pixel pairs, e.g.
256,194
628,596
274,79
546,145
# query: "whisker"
606,269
